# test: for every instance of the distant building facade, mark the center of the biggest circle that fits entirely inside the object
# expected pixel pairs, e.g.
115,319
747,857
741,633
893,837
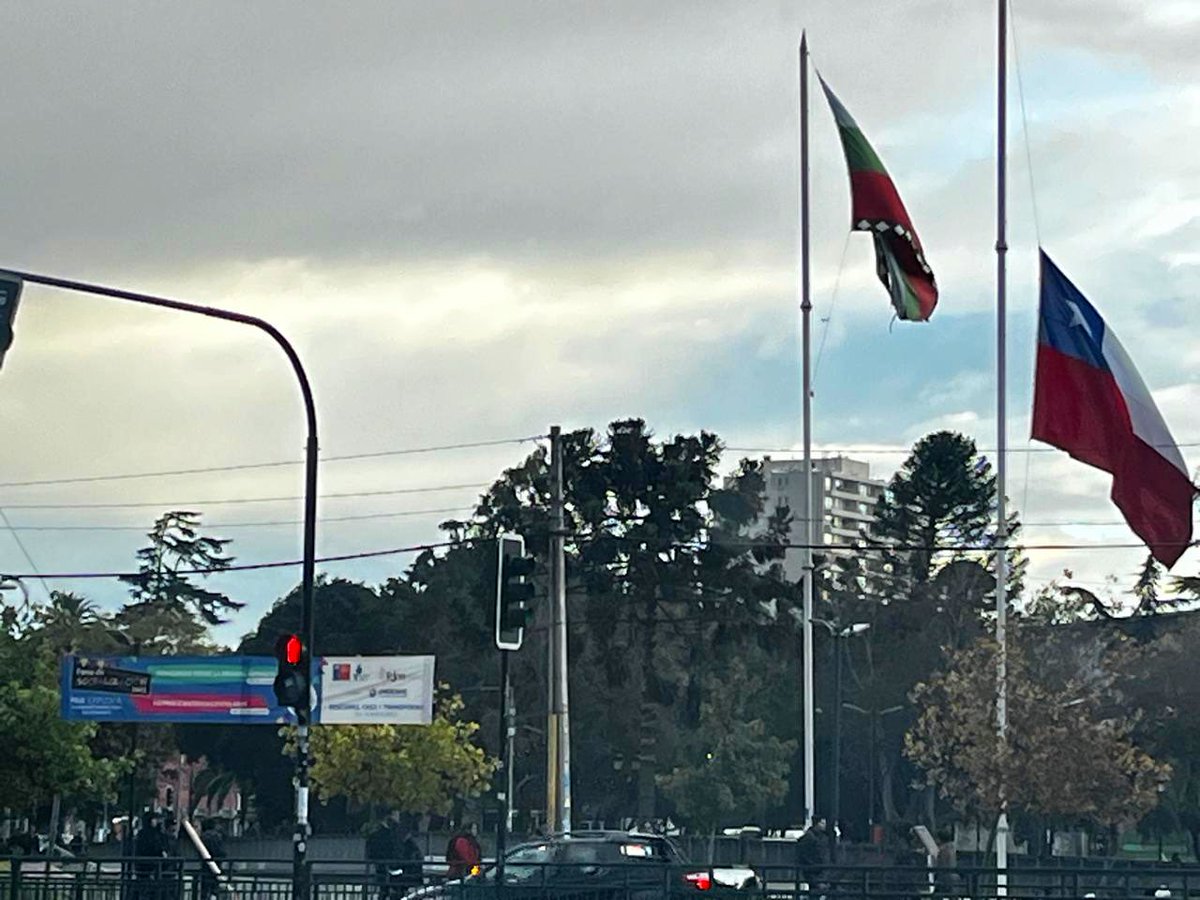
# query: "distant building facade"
845,496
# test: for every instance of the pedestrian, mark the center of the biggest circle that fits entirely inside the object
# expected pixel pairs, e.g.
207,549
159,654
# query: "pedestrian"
812,854
945,863
150,847
398,860
463,854
213,839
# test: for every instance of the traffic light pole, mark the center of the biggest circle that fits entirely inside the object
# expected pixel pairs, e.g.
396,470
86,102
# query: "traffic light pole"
505,766
300,887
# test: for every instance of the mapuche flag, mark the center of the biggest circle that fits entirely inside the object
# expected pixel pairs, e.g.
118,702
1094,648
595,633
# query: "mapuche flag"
877,208
1090,401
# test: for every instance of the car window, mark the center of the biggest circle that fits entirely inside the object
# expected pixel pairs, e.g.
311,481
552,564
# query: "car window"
535,853
526,863
652,851
587,853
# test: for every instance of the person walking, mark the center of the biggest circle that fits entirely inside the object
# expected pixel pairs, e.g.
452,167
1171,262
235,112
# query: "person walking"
213,839
463,854
812,855
398,860
945,877
150,847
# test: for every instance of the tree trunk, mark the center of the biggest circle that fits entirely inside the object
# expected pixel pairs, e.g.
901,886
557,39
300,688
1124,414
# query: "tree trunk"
647,751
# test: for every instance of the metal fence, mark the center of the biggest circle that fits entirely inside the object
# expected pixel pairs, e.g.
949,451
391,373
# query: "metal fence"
41,879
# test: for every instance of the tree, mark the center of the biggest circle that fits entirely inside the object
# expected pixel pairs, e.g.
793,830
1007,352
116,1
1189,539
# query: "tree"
1070,755
737,768
41,755
925,581
412,768
165,568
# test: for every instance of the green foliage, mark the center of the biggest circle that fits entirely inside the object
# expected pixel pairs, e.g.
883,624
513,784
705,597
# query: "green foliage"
176,547
412,768
1071,756
737,769
42,755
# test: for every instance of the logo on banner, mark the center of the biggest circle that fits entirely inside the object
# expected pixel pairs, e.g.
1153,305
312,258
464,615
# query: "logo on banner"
341,672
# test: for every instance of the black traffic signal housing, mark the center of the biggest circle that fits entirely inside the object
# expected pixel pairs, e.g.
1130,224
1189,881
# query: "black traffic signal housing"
291,680
10,296
514,591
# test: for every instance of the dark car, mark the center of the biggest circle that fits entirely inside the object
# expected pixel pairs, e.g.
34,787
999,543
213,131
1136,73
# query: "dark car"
595,864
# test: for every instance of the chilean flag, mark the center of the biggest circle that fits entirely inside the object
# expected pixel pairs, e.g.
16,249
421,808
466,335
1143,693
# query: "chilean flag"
1090,401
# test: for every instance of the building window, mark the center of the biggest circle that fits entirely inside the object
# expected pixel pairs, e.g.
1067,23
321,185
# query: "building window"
864,509
828,538
829,503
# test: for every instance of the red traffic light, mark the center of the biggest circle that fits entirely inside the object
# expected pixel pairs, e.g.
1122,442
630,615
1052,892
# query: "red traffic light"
292,650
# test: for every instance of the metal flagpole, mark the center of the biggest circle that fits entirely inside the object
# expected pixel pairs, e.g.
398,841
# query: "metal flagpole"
1001,444
806,552
560,716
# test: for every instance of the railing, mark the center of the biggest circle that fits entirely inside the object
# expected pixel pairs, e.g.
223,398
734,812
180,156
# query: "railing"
27,878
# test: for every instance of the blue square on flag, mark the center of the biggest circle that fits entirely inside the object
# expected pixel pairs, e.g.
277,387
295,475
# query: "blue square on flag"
341,672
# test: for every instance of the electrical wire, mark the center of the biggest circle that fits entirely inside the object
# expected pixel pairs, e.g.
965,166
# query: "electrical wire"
204,470
663,546
253,567
881,451
25,552
229,501
323,520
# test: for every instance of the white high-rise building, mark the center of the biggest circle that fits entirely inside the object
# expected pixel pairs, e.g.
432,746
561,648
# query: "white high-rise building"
845,496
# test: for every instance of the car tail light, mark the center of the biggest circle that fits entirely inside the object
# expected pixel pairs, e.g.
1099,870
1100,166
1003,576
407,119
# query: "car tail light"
701,881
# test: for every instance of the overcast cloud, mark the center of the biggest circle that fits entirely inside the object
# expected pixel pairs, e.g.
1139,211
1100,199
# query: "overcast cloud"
475,219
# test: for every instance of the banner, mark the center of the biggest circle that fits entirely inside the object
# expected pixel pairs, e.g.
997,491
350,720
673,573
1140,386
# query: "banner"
239,690
376,690
215,689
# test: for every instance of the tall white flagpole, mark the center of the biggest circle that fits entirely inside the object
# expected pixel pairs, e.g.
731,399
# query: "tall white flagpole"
809,518
1001,443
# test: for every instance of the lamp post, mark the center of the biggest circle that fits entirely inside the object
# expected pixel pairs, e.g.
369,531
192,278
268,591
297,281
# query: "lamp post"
839,633
300,837
874,716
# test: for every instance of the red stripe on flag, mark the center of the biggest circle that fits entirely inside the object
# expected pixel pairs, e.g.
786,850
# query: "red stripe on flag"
1080,409
1156,500
875,198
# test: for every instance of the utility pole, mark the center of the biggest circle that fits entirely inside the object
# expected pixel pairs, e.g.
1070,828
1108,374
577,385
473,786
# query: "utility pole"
558,731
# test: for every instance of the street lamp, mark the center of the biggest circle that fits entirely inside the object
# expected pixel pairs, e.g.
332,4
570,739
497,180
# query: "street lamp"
874,717
839,633
304,714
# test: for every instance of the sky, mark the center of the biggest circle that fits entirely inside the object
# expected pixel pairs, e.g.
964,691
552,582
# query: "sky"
475,220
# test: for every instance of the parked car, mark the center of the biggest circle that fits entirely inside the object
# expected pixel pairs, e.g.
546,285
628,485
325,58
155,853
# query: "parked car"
596,864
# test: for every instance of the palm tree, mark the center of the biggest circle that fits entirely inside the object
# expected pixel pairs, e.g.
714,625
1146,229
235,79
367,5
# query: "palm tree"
71,622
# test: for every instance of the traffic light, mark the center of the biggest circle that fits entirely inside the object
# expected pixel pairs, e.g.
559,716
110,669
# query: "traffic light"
513,591
291,681
10,295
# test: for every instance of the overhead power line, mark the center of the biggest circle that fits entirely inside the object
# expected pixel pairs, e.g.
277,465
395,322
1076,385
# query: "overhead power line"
396,514
229,501
274,464
249,567
880,451
660,545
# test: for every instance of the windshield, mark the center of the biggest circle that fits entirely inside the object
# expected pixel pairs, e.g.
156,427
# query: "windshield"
526,863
